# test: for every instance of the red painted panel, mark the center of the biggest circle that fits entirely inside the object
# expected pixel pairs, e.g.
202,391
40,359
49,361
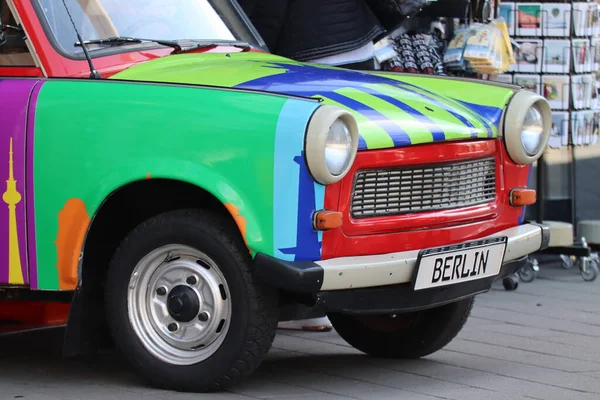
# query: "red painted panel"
416,231
56,65
34,312
21,72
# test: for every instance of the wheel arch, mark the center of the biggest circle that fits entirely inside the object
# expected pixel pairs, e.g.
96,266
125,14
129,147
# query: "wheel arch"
119,212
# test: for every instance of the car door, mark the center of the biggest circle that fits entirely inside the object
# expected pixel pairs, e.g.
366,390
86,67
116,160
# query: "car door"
15,95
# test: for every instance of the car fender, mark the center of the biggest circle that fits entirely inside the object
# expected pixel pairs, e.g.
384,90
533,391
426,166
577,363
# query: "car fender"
93,137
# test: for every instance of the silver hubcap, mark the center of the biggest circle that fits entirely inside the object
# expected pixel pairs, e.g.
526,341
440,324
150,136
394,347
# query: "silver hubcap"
179,304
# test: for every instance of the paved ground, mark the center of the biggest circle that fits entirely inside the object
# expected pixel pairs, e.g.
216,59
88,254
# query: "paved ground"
540,342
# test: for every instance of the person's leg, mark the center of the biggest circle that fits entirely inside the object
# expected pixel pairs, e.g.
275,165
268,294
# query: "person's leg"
321,324
314,320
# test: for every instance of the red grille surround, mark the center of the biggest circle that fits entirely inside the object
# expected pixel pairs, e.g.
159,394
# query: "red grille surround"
386,234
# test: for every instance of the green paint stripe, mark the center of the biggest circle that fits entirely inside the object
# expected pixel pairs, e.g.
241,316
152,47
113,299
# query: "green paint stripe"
373,134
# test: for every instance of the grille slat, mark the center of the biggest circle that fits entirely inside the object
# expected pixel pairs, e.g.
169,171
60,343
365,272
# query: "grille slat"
404,190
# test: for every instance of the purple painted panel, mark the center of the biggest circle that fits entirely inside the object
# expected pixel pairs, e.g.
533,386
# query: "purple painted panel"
31,244
14,99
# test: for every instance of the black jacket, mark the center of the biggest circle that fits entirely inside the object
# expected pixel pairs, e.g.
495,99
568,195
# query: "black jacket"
307,29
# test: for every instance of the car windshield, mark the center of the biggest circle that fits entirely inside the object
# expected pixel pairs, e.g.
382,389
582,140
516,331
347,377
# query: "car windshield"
205,20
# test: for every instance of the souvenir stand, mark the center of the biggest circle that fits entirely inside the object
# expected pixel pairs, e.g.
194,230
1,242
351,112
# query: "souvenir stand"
445,28
557,48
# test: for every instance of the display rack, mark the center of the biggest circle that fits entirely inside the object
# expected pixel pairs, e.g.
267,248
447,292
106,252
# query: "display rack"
557,46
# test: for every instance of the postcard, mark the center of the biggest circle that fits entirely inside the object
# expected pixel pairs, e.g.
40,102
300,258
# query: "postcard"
502,78
529,82
529,19
577,127
588,82
528,57
595,94
507,11
555,88
557,56
559,134
582,59
588,126
556,19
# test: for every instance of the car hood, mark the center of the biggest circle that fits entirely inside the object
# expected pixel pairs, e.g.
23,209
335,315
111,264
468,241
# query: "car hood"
392,110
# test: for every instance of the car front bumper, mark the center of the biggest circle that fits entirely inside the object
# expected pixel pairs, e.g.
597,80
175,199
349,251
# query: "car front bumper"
383,282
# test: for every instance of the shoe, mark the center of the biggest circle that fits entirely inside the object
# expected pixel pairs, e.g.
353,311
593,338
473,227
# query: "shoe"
313,325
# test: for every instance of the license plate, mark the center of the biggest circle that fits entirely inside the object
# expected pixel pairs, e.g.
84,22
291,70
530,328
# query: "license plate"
460,263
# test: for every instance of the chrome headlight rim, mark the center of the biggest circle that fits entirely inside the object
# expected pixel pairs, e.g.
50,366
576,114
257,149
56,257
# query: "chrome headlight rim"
316,141
514,119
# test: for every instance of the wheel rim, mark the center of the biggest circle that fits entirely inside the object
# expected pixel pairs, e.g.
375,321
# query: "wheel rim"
526,274
567,262
591,272
179,304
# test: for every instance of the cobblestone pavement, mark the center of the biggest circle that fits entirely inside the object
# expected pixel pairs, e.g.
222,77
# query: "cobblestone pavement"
540,342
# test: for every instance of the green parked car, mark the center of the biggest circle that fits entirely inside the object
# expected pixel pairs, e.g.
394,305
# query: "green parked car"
177,193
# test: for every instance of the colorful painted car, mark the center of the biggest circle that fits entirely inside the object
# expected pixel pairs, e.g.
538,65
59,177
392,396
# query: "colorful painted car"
177,193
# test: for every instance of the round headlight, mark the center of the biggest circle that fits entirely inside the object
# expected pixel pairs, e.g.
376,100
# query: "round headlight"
533,131
338,148
526,127
331,144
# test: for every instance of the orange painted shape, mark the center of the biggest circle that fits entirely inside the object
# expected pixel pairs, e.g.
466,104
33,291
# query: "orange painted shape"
73,222
522,197
239,219
326,220
148,175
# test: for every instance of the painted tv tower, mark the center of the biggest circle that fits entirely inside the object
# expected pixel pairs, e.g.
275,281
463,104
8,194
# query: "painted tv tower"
12,197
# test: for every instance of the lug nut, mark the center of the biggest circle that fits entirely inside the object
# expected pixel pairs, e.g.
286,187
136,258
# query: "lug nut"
161,291
203,317
191,280
172,327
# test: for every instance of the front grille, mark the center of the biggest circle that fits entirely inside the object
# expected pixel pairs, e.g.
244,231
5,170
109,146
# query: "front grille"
404,190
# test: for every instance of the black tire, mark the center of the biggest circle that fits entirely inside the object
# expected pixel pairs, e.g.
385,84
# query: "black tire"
253,312
410,335
510,283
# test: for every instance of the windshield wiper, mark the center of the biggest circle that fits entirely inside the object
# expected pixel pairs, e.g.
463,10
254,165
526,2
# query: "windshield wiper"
203,44
119,40
179,46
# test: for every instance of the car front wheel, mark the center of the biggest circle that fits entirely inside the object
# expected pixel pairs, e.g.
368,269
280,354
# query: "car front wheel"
408,335
182,304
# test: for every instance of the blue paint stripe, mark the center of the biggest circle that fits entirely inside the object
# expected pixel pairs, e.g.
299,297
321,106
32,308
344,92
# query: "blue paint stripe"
319,205
289,143
362,144
398,135
487,115
436,131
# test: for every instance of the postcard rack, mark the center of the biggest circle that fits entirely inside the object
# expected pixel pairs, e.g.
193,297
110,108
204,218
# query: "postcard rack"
558,56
